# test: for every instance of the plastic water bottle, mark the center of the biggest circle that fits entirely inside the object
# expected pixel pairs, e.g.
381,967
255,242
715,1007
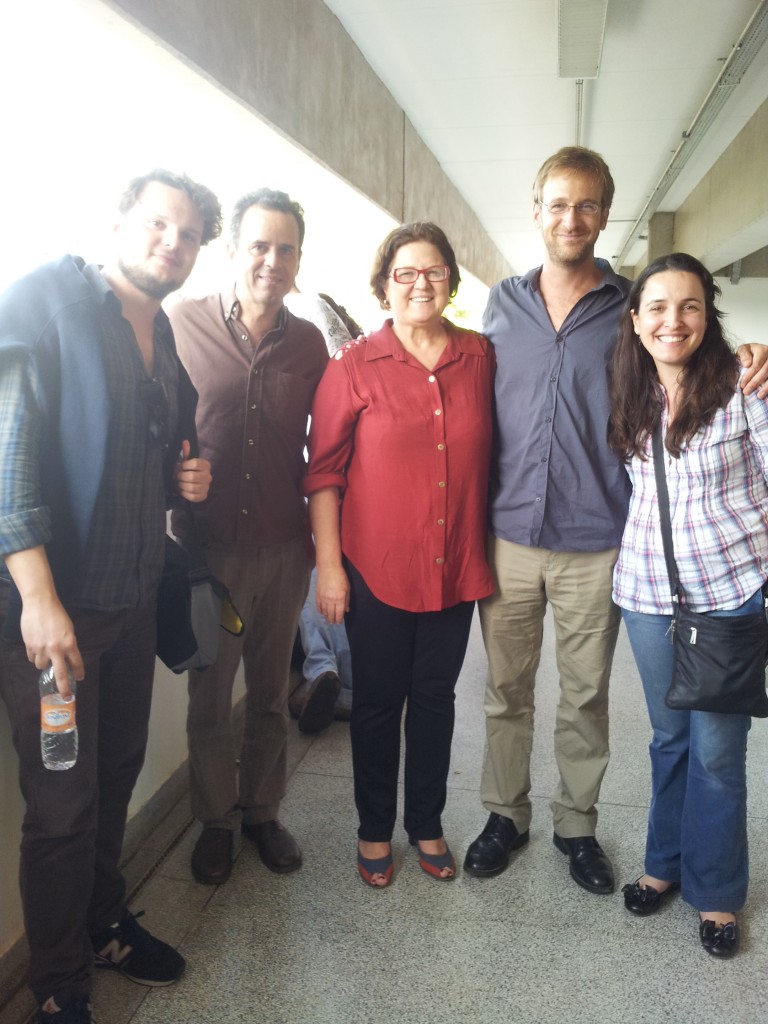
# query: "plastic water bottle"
58,726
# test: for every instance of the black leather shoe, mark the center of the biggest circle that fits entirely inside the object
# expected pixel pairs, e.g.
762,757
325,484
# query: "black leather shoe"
212,856
489,854
589,866
720,940
644,900
277,848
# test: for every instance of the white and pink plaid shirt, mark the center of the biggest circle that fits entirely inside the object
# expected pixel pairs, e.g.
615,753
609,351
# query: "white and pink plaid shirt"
718,499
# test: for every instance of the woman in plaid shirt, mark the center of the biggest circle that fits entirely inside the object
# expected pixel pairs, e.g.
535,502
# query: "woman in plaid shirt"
673,364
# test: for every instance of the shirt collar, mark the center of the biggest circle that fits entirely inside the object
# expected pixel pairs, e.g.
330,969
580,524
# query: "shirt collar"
106,294
230,306
384,343
610,277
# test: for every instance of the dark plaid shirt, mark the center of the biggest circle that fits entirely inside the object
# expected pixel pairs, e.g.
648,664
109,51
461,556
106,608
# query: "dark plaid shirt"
124,555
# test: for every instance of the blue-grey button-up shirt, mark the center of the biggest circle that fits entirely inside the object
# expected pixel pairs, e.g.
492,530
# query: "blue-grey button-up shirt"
558,485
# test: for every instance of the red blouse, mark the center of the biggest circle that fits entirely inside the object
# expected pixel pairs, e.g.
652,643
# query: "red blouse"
409,449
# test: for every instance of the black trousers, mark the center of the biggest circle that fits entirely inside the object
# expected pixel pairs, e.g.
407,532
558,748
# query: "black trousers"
400,658
71,886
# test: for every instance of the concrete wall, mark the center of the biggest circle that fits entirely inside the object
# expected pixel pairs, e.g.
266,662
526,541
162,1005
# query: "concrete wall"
293,64
726,216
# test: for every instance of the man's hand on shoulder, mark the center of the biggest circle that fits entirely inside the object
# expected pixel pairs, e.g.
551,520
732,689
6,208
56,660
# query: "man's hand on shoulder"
193,476
755,358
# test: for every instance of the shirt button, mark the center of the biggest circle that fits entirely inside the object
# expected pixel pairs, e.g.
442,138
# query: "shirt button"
441,447
441,483
244,337
250,440
441,522
547,419
438,412
431,378
544,459
244,511
439,561
553,380
247,476
253,405
538,499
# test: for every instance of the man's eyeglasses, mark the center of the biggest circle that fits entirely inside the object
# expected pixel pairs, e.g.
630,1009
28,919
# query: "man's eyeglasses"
156,400
559,208
410,275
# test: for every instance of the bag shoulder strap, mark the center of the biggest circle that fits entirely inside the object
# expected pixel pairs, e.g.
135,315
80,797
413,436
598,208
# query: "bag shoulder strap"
662,495
192,543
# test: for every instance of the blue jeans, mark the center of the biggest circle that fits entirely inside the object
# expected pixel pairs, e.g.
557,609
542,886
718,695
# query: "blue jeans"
326,648
697,824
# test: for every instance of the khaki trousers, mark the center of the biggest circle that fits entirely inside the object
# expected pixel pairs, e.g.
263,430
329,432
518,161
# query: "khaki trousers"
268,586
578,587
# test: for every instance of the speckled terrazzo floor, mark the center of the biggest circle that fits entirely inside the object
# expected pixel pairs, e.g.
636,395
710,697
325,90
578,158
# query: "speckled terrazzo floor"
527,947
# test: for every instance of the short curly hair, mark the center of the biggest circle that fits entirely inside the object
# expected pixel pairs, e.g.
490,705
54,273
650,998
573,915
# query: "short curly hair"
201,197
416,231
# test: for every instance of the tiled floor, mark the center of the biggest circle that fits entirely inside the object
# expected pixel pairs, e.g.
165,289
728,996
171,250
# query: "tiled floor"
526,947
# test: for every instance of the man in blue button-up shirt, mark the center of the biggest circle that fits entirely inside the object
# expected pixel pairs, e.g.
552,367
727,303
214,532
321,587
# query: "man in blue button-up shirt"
557,516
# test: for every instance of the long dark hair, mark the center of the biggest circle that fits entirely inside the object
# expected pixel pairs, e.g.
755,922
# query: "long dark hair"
707,381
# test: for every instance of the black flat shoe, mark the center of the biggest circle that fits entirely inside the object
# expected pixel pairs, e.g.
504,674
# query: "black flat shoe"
644,900
720,940
489,854
587,862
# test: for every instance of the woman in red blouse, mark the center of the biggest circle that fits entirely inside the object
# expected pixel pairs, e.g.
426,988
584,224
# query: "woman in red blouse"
398,476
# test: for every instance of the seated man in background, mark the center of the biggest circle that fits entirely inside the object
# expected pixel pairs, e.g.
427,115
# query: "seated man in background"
326,690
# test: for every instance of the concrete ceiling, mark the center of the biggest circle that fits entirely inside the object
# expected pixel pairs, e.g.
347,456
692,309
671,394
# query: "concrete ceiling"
479,81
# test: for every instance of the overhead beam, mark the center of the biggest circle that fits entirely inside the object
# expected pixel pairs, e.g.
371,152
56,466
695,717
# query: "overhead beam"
292,63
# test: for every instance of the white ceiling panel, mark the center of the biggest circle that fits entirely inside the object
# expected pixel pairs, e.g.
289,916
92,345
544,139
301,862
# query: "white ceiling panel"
478,81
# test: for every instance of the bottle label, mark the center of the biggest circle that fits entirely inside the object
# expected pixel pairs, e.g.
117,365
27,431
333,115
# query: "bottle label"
57,717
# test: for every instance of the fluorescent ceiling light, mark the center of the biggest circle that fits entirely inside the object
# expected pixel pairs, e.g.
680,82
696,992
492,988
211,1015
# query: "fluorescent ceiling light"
580,32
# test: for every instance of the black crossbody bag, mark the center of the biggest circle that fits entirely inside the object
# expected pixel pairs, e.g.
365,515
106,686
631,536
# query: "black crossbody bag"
719,663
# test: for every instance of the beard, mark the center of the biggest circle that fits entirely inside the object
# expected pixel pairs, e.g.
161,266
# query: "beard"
570,256
146,282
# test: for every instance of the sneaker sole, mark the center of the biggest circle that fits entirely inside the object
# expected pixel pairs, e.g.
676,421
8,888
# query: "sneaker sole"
107,965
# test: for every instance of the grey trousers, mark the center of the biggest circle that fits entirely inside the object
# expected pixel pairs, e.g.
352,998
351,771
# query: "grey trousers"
268,586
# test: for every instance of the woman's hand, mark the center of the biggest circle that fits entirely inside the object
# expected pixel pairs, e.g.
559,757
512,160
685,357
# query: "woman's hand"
332,593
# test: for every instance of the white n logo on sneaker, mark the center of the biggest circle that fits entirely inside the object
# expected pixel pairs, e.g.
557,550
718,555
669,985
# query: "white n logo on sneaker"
114,952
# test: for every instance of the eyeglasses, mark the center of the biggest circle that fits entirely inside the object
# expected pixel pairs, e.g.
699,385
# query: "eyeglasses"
410,275
559,208
156,400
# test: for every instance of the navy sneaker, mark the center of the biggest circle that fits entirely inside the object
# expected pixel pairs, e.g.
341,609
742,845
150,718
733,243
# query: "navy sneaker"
130,949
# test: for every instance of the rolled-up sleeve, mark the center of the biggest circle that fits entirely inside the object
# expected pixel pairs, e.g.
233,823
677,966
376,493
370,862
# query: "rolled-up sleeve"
24,521
335,412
